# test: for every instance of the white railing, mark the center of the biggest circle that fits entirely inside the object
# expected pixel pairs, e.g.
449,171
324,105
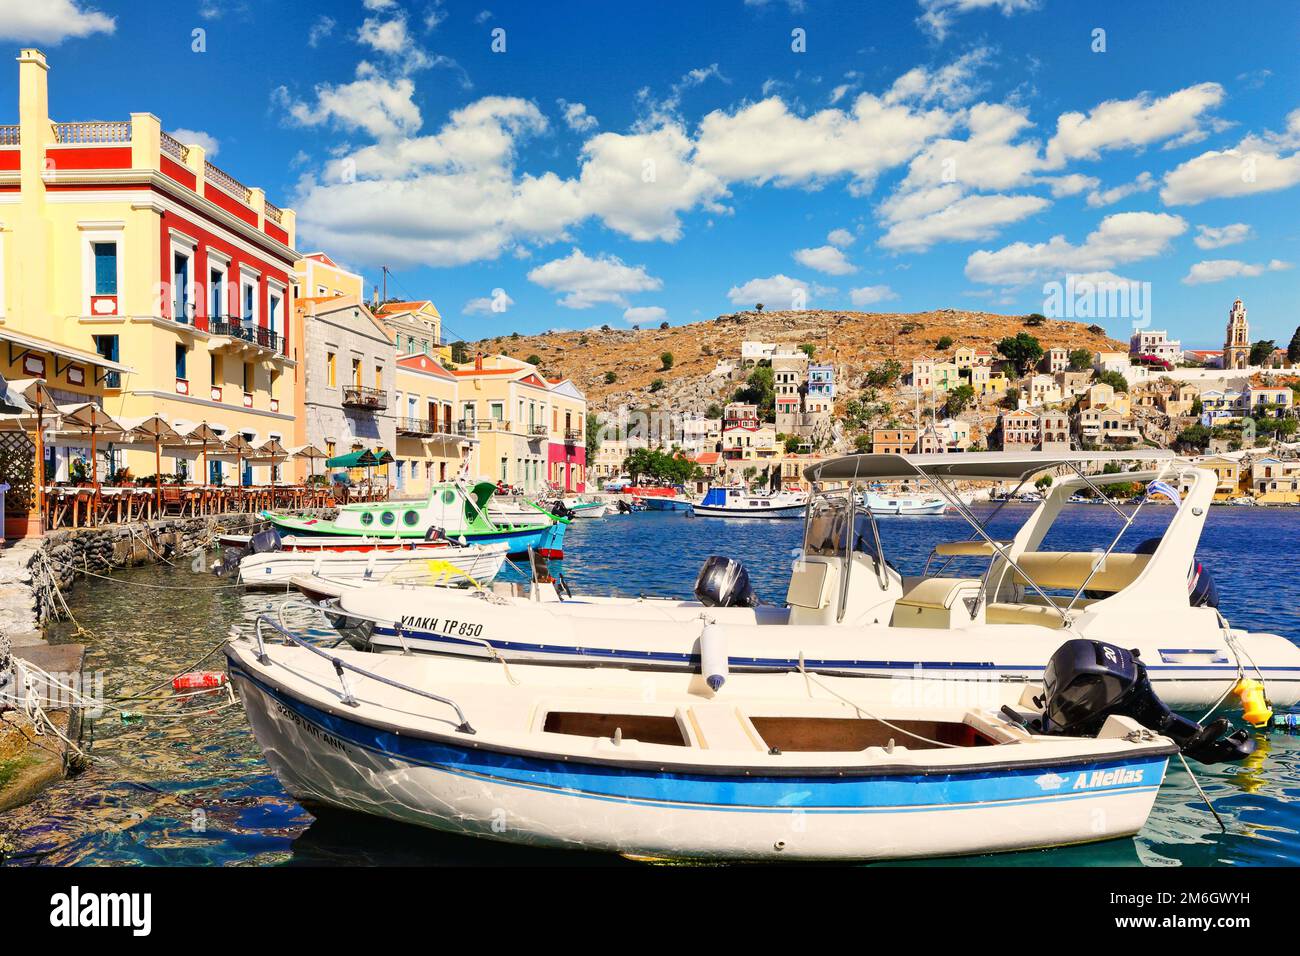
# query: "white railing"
274,213
229,183
174,147
93,132
10,135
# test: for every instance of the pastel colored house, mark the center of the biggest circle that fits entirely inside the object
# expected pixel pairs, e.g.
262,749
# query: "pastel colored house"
429,448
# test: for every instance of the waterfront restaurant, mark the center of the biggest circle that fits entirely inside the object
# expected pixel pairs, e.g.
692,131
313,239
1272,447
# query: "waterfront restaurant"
138,275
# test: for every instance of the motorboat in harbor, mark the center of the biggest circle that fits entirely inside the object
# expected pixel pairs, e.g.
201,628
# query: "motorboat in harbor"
902,504
666,765
452,511
472,565
666,503
981,613
735,502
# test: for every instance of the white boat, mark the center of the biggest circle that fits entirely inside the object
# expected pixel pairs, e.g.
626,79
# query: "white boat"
454,565
667,765
729,502
980,612
885,504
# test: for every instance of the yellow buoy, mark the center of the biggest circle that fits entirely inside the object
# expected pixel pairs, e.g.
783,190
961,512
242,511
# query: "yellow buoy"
1254,705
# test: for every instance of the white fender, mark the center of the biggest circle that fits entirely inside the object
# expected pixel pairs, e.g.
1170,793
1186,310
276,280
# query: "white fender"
713,654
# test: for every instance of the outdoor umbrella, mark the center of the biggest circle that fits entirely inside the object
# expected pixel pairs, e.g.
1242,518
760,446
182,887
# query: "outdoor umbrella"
89,417
152,428
205,435
32,394
272,451
242,449
309,452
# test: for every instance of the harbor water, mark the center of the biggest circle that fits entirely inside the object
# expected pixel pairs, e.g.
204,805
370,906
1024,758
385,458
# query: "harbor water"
194,790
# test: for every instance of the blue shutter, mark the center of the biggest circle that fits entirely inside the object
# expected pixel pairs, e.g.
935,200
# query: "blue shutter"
105,268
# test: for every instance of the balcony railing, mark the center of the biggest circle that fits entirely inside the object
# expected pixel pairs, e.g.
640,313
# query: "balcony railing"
174,147
253,334
11,135
466,426
217,175
274,213
537,430
416,426
96,132
358,396
572,434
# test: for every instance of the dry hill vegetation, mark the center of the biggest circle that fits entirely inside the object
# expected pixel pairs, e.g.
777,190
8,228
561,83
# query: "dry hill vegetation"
853,342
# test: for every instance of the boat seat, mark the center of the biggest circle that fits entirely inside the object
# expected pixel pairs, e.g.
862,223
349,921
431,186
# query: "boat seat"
1068,570
721,728
936,593
1037,614
967,549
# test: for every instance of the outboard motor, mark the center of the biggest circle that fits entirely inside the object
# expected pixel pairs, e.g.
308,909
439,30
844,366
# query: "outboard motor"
435,534
558,509
1087,681
623,507
265,541
724,583
1201,591
229,560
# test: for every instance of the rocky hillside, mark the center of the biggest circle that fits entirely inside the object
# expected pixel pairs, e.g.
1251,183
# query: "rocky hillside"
852,341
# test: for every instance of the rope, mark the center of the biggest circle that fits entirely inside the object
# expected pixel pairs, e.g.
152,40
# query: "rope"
152,587
1208,804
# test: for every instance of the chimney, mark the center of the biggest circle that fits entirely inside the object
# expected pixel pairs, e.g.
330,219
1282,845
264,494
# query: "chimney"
33,117
478,361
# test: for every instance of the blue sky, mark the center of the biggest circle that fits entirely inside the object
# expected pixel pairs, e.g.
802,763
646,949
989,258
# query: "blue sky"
642,162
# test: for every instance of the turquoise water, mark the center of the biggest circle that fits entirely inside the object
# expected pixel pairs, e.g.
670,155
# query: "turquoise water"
197,792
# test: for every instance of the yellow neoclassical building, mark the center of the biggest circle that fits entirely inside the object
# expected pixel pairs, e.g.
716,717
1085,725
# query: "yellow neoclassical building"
135,272
431,446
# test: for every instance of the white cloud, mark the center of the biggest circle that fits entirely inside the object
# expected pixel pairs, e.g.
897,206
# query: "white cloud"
840,237
373,103
391,38
645,315
194,137
1070,185
974,217
1130,124
322,27
1215,237
1145,182
1120,238
50,21
1256,165
586,281
379,4
937,15
951,84
871,294
1216,270
826,259
775,292
576,117
765,142
498,303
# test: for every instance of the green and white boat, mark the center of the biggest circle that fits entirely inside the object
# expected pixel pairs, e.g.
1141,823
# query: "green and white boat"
451,509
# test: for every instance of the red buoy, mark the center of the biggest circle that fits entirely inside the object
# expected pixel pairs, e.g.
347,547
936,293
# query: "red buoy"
199,680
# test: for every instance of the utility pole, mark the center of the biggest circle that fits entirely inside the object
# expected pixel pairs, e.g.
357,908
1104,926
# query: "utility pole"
384,269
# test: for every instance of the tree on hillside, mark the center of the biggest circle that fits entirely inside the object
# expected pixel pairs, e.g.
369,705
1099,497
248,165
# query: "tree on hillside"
534,359
1035,318
760,390
759,307
884,375
1021,350
1114,379
667,360
459,352
1293,350
610,378
1261,350
958,399
713,411
808,349
593,435
944,343
862,443
657,385
1080,360
1194,437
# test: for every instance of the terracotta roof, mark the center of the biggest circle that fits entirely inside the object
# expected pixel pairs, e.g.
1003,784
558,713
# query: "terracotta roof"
422,363
403,306
707,458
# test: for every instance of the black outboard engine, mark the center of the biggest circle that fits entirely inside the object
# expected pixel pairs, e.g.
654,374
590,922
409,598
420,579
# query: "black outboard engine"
228,560
724,583
435,534
1087,681
265,541
558,509
624,508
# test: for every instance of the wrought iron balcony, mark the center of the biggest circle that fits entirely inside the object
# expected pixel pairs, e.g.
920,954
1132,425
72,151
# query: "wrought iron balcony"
252,334
537,430
572,434
416,426
358,396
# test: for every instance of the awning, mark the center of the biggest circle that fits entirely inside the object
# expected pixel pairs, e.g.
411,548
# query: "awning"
354,459
66,351
970,466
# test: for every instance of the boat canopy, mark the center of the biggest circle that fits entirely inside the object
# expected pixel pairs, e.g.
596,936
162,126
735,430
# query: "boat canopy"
969,466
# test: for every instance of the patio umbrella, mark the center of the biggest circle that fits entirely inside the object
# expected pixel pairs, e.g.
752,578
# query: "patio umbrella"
205,435
272,451
242,449
309,452
91,418
33,394
152,429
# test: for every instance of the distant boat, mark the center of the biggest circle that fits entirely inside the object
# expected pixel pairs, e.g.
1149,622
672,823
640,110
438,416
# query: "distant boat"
658,503
737,503
882,504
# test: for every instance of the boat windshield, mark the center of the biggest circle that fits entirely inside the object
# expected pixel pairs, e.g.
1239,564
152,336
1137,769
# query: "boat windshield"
832,518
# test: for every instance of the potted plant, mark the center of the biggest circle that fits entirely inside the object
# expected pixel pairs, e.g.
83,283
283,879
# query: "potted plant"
78,472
